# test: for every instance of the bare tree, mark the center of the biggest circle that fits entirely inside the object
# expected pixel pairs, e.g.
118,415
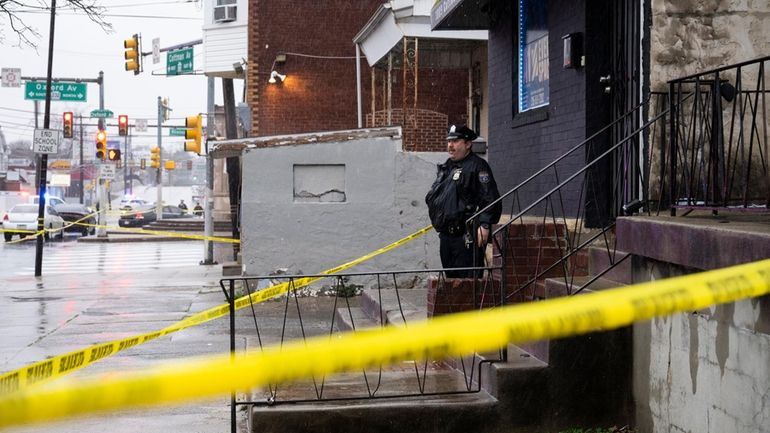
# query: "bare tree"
12,11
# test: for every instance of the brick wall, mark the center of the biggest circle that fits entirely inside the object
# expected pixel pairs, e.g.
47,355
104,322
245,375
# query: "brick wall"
531,249
319,94
424,132
453,295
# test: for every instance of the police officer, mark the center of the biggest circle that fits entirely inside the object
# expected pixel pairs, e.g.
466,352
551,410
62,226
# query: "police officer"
463,186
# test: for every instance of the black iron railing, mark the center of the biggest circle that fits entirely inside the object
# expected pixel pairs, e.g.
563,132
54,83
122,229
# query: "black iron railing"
548,232
330,307
719,139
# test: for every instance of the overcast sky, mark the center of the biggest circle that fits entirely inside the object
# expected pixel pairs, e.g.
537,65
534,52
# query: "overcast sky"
82,49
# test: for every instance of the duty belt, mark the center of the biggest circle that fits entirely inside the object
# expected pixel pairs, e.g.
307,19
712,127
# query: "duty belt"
456,229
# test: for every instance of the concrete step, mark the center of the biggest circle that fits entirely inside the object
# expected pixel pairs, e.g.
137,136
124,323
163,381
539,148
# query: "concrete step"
557,287
599,259
353,319
428,413
394,307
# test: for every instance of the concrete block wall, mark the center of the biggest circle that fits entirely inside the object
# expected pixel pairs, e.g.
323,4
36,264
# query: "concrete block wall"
384,190
707,370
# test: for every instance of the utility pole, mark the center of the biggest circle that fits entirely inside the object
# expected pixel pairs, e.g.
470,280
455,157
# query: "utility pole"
82,178
43,160
159,173
208,198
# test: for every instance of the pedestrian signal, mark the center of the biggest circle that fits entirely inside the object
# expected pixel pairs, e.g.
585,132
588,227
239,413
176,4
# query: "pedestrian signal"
113,154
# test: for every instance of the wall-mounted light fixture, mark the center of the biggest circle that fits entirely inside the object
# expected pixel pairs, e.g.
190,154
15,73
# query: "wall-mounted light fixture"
275,77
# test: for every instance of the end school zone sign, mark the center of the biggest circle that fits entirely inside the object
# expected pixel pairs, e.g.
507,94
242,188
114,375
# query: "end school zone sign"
46,140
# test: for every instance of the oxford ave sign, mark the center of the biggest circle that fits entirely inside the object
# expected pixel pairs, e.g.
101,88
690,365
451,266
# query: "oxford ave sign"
61,91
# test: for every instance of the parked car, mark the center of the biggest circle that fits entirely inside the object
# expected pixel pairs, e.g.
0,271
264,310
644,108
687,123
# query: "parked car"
23,217
49,199
133,203
75,212
144,215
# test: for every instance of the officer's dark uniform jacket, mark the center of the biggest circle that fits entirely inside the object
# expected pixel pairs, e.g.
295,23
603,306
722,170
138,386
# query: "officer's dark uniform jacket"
461,189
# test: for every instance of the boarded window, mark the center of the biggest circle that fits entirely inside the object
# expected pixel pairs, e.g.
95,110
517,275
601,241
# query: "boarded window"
319,183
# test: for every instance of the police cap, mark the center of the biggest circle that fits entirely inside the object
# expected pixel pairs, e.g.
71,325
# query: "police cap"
460,131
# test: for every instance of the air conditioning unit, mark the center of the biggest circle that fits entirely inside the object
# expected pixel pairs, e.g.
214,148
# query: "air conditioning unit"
225,13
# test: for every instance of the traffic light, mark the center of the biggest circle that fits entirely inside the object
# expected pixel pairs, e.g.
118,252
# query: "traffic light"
155,157
67,124
193,134
113,154
122,125
132,54
101,145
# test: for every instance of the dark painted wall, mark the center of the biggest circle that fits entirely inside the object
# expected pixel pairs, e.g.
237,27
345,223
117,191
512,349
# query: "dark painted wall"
520,145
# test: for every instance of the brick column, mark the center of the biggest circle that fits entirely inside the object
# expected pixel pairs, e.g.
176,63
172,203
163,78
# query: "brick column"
453,295
530,249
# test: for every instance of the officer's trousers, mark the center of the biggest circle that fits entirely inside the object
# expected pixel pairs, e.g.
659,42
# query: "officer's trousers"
457,253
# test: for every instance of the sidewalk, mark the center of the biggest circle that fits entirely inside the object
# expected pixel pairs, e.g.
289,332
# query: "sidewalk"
55,314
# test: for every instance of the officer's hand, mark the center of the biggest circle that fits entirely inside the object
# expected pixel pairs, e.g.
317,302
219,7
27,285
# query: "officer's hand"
482,237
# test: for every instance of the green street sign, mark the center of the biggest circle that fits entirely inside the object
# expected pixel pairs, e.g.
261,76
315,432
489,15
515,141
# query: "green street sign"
60,91
102,114
177,132
179,61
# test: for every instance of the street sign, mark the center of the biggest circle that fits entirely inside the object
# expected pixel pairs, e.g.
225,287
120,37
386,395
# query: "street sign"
46,140
156,50
60,91
179,61
11,77
107,171
102,114
177,132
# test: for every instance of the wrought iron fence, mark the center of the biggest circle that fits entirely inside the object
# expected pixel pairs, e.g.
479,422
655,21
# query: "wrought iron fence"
547,234
719,144
330,306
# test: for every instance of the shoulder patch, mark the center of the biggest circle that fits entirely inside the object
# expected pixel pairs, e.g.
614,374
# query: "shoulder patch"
483,177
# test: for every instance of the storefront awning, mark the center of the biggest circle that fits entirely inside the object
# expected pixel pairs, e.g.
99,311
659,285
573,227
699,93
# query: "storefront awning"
408,18
459,15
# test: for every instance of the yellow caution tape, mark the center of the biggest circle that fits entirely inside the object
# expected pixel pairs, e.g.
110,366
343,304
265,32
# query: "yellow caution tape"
441,337
60,365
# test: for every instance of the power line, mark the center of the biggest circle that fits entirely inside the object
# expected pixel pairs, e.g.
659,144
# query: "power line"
160,17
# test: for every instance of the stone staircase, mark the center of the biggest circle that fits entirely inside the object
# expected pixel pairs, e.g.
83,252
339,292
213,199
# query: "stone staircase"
545,386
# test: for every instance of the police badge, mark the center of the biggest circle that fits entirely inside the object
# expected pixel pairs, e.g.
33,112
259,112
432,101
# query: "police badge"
483,177
456,174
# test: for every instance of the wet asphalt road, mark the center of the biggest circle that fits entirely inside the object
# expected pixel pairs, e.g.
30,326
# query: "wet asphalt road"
94,293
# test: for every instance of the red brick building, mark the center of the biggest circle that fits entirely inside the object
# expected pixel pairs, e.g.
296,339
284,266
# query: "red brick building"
311,43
